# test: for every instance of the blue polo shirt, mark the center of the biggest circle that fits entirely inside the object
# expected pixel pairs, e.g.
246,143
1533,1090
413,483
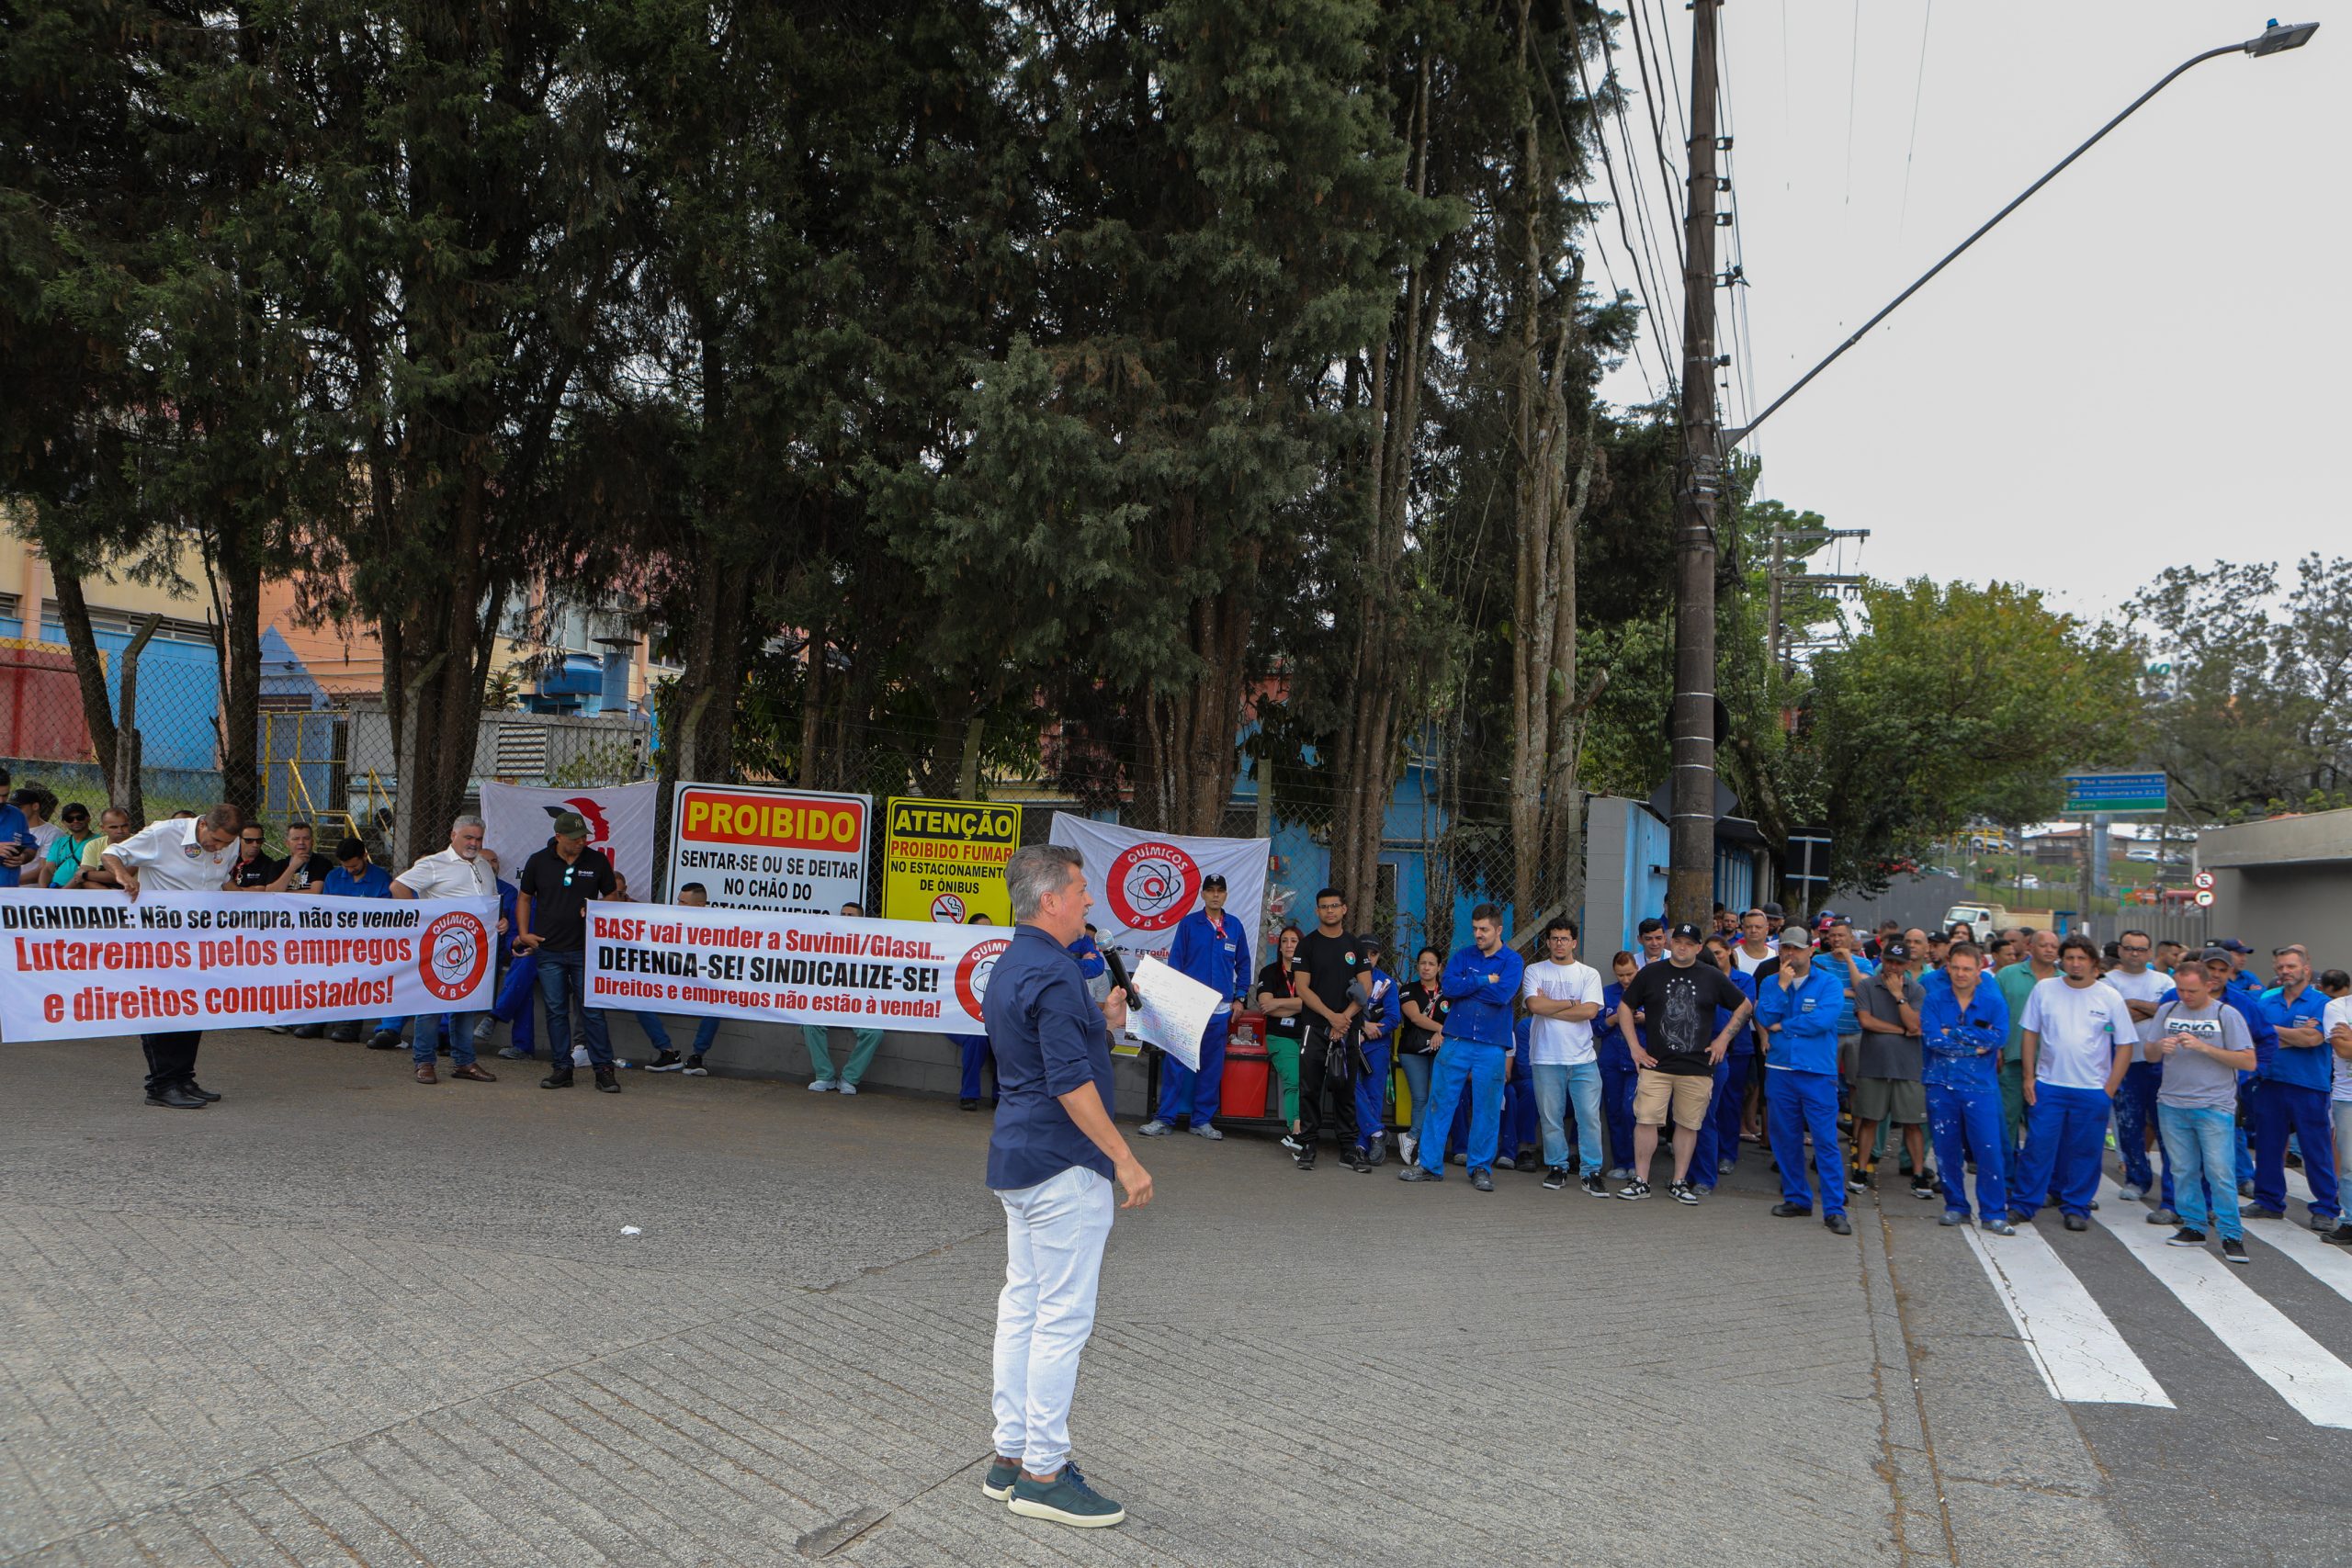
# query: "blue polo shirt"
15,829
1852,972
1484,990
2307,1066
1806,1040
373,883
1048,1039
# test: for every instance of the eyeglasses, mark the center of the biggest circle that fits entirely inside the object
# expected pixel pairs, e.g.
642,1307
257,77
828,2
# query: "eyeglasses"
2133,947
255,840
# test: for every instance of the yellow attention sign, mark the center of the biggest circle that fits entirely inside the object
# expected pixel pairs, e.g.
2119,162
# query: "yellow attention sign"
943,860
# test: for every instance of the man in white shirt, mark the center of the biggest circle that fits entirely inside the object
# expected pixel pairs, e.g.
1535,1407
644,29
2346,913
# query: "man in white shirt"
2080,1036
1757,947
195,854
1565,998
462,871
1649,937
2142,988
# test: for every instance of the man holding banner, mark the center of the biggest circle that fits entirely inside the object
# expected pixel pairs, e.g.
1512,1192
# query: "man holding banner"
461,870
195,854
1210,947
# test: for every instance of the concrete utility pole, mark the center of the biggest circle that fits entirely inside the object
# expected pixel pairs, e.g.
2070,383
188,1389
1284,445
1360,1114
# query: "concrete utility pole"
1691,869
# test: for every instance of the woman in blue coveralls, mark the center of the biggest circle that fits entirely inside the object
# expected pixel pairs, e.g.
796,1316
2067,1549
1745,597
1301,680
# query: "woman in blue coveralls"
1617,1075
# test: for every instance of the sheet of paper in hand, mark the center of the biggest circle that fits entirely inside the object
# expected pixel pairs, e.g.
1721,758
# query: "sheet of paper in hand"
1175,1011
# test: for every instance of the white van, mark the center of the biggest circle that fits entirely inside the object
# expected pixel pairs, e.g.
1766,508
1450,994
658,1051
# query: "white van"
1983,918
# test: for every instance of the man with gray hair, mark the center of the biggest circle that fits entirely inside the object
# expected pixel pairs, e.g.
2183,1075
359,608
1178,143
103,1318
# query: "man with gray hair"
464,870
192,854
1053,1158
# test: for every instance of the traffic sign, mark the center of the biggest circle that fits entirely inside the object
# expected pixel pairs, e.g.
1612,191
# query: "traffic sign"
2204,879
2090,793
2204,897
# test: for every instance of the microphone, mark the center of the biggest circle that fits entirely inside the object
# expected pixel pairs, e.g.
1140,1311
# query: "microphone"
1119,980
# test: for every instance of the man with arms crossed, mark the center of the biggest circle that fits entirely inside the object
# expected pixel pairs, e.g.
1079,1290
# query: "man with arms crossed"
1482,982
1797,1011
2078,1038
1052,1159
1565,998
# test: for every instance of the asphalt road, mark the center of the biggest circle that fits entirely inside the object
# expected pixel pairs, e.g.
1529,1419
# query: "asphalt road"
344,1318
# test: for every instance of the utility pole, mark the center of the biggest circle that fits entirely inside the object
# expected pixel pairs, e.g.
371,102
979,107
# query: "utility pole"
1690,868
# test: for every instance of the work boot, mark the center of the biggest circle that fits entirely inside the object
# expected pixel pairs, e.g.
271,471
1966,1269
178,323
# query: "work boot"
559,1078
607,1081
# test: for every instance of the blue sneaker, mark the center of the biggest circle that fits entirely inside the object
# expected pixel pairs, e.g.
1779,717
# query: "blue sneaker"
1066,1499
1002,1473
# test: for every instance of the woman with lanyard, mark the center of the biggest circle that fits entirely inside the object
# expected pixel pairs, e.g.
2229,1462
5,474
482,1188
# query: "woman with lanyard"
1278,1000
1424,1006
1718,1146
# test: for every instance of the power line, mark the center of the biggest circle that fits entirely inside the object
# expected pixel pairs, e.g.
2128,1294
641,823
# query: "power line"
1919,91
1649,294
1854,73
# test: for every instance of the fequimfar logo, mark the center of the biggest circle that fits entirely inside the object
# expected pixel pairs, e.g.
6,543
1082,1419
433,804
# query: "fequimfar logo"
1151,885
455,951
972,973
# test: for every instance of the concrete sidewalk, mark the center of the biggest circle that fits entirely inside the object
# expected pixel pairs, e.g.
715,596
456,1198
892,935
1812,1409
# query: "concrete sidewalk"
342,1317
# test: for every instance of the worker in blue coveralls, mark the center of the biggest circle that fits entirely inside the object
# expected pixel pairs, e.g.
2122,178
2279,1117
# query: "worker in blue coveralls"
1963,1025
1617,1075
1718,1146
1210,947
2290,1093
1482,982
972,1051
1378,1012
1798,1012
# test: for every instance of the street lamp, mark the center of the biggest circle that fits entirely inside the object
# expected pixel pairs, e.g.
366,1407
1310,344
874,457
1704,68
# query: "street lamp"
2276,39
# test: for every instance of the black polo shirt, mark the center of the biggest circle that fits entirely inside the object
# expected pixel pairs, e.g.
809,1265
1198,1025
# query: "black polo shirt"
560,892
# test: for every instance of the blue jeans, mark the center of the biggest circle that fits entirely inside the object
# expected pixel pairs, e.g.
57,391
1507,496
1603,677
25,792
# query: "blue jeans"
1186,1095
2065,1140
2281,1109
1464,1066
704,1033
1416,1065
1804,1102
1372,1096
2135,1113
1558,1084
2203,1147
1964,1121
656,1033
458,1026
562,976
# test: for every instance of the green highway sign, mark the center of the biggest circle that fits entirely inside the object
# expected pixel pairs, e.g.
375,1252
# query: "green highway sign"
2088,793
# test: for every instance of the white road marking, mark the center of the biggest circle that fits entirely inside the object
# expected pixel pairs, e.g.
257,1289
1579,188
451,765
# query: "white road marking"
2294,1364
2072,1344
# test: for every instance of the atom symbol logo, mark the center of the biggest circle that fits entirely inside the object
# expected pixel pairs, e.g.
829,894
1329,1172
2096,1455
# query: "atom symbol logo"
972,973
455,951
1151,885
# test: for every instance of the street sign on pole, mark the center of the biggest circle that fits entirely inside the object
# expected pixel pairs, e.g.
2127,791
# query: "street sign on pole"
2090,793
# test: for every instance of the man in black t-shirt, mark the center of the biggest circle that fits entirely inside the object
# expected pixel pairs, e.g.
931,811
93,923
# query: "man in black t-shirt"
303,870
1332,959
551,910
1679,997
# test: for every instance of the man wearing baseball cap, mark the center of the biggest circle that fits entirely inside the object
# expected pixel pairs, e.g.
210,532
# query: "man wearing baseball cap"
1212,948
1677,1068
550,908
1797,1009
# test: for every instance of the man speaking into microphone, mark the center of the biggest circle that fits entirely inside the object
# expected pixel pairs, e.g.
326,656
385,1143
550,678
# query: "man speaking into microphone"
1052,1160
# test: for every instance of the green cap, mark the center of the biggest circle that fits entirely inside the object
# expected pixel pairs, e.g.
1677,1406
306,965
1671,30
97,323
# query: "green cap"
571,825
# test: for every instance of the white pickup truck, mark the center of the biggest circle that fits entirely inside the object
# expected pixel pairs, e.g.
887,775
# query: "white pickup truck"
1983,918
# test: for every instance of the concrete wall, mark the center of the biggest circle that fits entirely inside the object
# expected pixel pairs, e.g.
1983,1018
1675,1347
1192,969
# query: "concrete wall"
2267,906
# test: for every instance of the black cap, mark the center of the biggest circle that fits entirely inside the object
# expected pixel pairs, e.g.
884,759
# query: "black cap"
2232,944
1212,880
1689,932
1776,911
1897,949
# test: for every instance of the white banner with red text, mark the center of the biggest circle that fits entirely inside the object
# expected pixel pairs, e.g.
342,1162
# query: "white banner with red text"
782,968
518,820
75,965
1145,883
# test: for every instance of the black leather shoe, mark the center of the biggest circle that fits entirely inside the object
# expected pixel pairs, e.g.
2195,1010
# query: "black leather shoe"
198,1089
384,1040
1482,1180
2077,1222
605,1082
308,1031
559,1078
1793,1211
1836,1224
344,1033
176,1099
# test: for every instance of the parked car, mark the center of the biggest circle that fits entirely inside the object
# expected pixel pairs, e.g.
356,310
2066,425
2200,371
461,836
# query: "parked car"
1983,918
2029,882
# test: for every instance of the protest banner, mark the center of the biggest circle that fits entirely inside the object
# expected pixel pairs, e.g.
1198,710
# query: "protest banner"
517,820
943,860
1145,883
782,966
754,848
75,965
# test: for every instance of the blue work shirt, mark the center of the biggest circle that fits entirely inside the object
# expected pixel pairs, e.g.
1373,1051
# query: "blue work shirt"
15,829
1609,1040
2307,1067
1806,1040
1851,972
373,883
1048,1039
1744,1043
1387,1013
1484,990
1962,1045
1219,961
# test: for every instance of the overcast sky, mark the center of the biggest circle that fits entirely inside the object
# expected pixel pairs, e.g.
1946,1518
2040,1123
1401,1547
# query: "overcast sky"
2145,366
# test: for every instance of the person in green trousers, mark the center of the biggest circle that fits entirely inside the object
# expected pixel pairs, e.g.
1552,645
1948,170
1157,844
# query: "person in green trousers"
863,1042
2038,961
1278,1000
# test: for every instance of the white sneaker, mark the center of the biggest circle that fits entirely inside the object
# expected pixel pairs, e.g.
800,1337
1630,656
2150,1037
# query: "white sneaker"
1209,1132
2130,1194
1155,1128
1406,1146
821,1086
847,1087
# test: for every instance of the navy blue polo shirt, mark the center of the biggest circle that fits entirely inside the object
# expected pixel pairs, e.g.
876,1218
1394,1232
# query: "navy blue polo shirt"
1048,1039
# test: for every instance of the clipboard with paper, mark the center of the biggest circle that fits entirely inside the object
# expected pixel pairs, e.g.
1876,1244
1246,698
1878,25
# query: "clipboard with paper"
1172,1010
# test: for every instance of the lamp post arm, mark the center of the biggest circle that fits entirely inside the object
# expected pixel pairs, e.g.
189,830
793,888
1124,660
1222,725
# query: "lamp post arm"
1732,438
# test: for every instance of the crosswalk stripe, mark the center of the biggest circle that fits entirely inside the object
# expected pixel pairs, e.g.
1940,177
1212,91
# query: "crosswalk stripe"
2331,1266
2294,1364
2072,1344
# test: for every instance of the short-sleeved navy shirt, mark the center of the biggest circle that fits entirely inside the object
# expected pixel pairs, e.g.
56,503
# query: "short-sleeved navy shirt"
1048,1039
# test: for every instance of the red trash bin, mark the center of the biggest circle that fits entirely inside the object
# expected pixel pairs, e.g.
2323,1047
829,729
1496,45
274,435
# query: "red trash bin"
1246,1069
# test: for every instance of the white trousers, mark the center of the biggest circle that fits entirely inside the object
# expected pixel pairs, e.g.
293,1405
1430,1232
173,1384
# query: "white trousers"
1054,1234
